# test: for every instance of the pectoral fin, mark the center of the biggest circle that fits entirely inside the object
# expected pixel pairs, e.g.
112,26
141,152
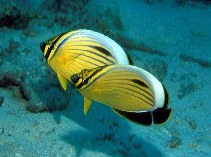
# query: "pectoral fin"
63,81
87,104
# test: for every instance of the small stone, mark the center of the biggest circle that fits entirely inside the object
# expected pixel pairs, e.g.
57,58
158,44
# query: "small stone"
1,131
192,123
174,142
18,155
1,101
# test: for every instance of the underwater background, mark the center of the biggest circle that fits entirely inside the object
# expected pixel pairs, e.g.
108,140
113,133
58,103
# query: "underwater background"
170,39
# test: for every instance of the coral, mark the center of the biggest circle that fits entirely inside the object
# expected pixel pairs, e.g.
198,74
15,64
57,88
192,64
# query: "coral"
39,94
12,17
8,80
45,94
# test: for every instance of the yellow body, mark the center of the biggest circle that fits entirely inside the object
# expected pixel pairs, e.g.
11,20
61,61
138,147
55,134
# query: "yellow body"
131,92
122,87
99,68
71,52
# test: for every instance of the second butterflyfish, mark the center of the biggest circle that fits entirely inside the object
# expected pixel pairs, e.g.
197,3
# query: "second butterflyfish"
71,52
130,91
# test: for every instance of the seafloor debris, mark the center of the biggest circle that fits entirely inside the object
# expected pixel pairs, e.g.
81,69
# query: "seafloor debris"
12,47
191,123
175,140
203,63
187,83
187,86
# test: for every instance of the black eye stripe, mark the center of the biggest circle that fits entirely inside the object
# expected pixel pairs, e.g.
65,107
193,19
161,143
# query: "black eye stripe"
52,46
42,46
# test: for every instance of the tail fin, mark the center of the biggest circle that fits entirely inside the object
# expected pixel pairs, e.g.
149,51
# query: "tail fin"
143,118
158,116
161,115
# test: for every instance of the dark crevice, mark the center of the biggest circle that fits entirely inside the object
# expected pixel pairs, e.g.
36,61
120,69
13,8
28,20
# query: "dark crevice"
23,93
36,109
12,17
201,62
1,101
8,81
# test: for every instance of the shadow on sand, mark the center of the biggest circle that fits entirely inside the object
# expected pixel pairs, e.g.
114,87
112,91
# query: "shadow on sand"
103,132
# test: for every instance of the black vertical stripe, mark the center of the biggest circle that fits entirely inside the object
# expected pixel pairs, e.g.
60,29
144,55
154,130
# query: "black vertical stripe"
143,118
139,82
52,46
101,49
166,101
85,81
107,59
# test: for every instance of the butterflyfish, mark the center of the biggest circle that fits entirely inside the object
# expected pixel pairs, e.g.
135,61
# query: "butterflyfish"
71,52
130,91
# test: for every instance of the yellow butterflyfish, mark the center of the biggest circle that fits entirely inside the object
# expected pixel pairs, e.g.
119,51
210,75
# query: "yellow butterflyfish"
71,52
130,91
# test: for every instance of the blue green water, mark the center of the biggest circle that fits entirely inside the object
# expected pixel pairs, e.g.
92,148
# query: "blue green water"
170,39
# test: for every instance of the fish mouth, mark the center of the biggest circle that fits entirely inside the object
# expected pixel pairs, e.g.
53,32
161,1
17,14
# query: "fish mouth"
42,46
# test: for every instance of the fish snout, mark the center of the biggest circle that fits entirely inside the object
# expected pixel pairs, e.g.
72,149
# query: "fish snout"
42,46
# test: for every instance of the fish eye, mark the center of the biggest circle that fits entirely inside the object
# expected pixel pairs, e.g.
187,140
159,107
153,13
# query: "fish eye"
42,46
74,78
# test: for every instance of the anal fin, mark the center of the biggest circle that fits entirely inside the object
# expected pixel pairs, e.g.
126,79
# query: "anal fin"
87,105
143,118
63,81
